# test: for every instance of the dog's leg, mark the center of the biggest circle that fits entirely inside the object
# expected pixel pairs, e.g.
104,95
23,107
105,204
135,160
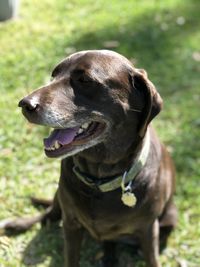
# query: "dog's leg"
54,212
167,221
150,245
13,226
109,258
72,244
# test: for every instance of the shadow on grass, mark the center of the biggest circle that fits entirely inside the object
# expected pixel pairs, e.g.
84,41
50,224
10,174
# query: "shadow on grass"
48,243
155,40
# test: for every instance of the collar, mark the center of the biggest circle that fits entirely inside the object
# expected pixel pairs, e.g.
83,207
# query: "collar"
110,184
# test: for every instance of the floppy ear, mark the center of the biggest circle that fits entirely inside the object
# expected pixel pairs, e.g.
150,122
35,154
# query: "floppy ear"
152,101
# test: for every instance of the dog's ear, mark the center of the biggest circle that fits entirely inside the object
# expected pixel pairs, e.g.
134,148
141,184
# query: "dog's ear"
147,92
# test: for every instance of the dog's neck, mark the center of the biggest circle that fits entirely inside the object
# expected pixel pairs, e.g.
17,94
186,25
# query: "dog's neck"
104,161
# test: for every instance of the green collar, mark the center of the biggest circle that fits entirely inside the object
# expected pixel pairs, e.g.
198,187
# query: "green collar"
106,185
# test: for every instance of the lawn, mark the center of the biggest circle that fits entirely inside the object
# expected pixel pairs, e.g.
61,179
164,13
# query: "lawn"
162,37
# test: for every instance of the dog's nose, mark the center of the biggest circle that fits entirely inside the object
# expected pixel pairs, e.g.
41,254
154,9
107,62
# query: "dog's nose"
29,103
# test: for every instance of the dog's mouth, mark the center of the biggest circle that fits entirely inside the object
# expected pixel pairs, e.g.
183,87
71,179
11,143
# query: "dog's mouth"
63,141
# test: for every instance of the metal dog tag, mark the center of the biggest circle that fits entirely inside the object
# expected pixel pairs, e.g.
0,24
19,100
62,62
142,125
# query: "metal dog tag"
128,199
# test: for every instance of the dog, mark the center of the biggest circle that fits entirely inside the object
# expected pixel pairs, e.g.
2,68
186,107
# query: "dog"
117,179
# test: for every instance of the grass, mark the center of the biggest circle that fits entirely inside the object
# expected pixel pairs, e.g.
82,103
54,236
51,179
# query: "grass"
162,37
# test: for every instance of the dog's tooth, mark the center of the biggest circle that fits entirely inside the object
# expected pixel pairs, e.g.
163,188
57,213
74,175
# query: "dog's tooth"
57,145
80,131
85,125
48,148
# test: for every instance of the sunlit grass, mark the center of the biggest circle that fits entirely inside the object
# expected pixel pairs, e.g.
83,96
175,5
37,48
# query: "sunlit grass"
161,36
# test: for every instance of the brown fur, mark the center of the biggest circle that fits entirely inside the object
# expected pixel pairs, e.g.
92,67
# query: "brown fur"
124,98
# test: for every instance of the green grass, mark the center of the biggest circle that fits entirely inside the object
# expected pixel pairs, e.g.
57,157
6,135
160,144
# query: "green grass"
162,37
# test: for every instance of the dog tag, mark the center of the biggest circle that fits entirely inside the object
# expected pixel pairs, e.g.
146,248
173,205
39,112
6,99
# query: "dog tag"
128,199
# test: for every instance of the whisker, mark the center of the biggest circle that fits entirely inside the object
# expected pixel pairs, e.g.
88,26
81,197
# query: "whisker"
135,110
59,124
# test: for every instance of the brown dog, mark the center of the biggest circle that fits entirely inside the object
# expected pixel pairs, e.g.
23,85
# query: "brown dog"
117,179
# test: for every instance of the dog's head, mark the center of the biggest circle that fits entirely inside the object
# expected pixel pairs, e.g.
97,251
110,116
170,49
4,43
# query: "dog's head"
94,96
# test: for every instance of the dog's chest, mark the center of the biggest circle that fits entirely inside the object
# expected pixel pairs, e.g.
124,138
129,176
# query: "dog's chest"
105,220
105,217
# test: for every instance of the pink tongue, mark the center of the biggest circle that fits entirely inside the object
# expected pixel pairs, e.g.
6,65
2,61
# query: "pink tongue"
63,136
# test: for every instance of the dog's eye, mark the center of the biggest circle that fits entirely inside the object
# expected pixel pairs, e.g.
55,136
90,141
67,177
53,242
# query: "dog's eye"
84,79
80,76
